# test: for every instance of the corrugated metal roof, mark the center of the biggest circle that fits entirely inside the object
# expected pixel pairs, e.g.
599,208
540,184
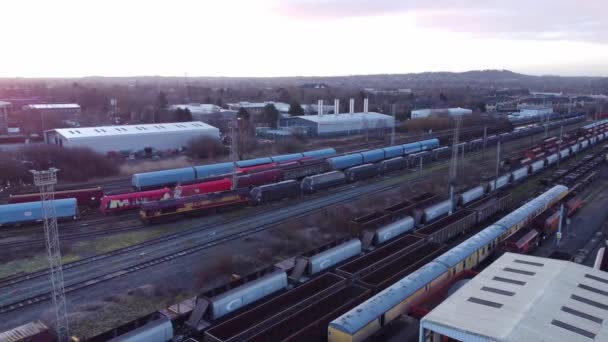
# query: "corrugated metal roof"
326,118
54,106
526,298
197,108
102,131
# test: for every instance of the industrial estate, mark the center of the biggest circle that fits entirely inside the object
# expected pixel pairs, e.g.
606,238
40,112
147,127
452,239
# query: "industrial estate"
432,206
400,228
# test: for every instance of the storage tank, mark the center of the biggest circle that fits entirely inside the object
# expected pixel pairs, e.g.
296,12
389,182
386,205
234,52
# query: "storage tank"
437,210
519,174
372,156
248,293
471,195
344,162
313,183
393,164
333,256
273,192
393,230
361,172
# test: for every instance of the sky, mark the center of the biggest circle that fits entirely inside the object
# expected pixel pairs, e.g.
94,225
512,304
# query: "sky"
75,38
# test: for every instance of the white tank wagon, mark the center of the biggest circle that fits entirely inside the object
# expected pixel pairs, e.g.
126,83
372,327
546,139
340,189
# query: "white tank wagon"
471,195
393,230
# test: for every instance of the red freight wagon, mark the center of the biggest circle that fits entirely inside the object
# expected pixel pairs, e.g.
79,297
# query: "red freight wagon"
84,197
223,184
548,222
132,200
522,241
573,205
259,178
257,168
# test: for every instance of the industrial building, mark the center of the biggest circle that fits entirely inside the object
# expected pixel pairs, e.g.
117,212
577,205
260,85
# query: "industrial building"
43,116
206,112
530,112
164,136
257,108
524,298
423,113
338,124
4,108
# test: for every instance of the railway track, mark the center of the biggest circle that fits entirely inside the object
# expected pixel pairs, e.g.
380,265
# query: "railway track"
23,290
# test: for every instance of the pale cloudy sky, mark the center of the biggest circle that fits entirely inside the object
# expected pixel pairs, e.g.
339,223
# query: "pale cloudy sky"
70,38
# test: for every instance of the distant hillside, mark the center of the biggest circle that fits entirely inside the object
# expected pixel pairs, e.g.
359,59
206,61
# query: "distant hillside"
469,79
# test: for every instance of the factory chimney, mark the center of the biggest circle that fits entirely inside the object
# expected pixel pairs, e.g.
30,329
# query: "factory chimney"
365,105
320,108
336,106
351,106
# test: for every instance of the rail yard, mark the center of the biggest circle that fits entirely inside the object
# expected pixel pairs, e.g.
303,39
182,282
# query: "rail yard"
352,263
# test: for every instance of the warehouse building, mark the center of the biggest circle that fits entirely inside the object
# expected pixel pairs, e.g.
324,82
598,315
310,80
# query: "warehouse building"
423,113
41,117
205,112
4,108
338,124
162,137
524,298
257,108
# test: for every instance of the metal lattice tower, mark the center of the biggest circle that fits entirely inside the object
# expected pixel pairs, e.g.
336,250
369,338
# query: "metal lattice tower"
454,161
46,181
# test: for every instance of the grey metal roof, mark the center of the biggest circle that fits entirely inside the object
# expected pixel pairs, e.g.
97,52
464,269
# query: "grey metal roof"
526,298
346,117
54,106
361,315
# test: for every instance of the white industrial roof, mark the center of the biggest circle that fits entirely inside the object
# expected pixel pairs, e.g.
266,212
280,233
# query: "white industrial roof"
326,118
526,298
280,106
450,111
54,106
86,132
196,108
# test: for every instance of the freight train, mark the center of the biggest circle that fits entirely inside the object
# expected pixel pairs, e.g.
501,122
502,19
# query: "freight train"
362,165
339,277
369,317
312,166
31,212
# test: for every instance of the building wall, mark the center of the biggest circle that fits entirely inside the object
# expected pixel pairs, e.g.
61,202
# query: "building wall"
3,118
133,142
